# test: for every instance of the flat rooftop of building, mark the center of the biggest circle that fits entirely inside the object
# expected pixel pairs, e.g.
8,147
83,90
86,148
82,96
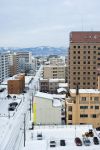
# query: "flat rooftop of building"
91,91
57,133
49,96
57,80
63,85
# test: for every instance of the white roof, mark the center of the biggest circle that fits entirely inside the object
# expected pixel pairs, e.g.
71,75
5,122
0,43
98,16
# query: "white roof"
61,90
56,80
49,96
92,91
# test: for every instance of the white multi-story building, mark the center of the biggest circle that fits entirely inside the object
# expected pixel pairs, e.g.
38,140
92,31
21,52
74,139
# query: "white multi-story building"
4,66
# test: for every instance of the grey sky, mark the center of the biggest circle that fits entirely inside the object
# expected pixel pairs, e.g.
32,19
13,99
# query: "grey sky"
26,23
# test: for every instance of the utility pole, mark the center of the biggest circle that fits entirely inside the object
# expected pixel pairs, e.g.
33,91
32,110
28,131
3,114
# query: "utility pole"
24,129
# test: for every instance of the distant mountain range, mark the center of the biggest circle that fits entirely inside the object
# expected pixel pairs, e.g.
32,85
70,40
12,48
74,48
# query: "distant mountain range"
39,51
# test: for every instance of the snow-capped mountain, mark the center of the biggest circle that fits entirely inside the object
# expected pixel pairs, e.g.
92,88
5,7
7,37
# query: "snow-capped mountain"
39,51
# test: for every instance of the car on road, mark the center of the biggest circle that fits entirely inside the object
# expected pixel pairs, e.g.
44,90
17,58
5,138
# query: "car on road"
78,141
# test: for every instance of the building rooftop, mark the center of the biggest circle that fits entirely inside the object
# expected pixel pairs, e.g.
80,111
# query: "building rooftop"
94,91
49,96
85,37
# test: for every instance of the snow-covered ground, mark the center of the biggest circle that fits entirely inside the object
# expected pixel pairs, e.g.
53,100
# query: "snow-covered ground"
56,133
11,122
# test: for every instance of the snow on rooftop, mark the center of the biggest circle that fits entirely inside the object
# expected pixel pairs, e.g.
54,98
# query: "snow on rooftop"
49,96
56,80
94,91
63,85
56,133
61,90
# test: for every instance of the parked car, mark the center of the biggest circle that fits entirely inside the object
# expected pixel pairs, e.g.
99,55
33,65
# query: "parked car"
11,108
95,140
78,141
86,141
62,143
52,143
98,128
39,136
13,104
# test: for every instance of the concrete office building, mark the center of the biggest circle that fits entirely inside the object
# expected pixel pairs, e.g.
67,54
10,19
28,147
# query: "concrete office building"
4,66
54,72
84,59
13,64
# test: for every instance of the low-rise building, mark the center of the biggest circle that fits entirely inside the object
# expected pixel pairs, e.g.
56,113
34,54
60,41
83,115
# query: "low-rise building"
50,85
17,84
83,107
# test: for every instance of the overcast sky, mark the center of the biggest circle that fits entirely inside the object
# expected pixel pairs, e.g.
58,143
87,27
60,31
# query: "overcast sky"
29,23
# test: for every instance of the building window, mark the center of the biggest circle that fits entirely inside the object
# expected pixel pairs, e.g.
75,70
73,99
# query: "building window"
96,107
78,46
78,67
83,115
78,62
88,62
91,107
74,46
78,52
94,52
69,117
78,57
93,115
78,78
94,46
84,47
74,72
70,108
88,52
84,52
96,98
83,98
83,107
74,52
74,57
88,46
84,62
74,62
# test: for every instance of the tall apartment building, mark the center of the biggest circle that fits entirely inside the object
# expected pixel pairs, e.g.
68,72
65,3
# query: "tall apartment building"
25,60
13,64
84,59
4,66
